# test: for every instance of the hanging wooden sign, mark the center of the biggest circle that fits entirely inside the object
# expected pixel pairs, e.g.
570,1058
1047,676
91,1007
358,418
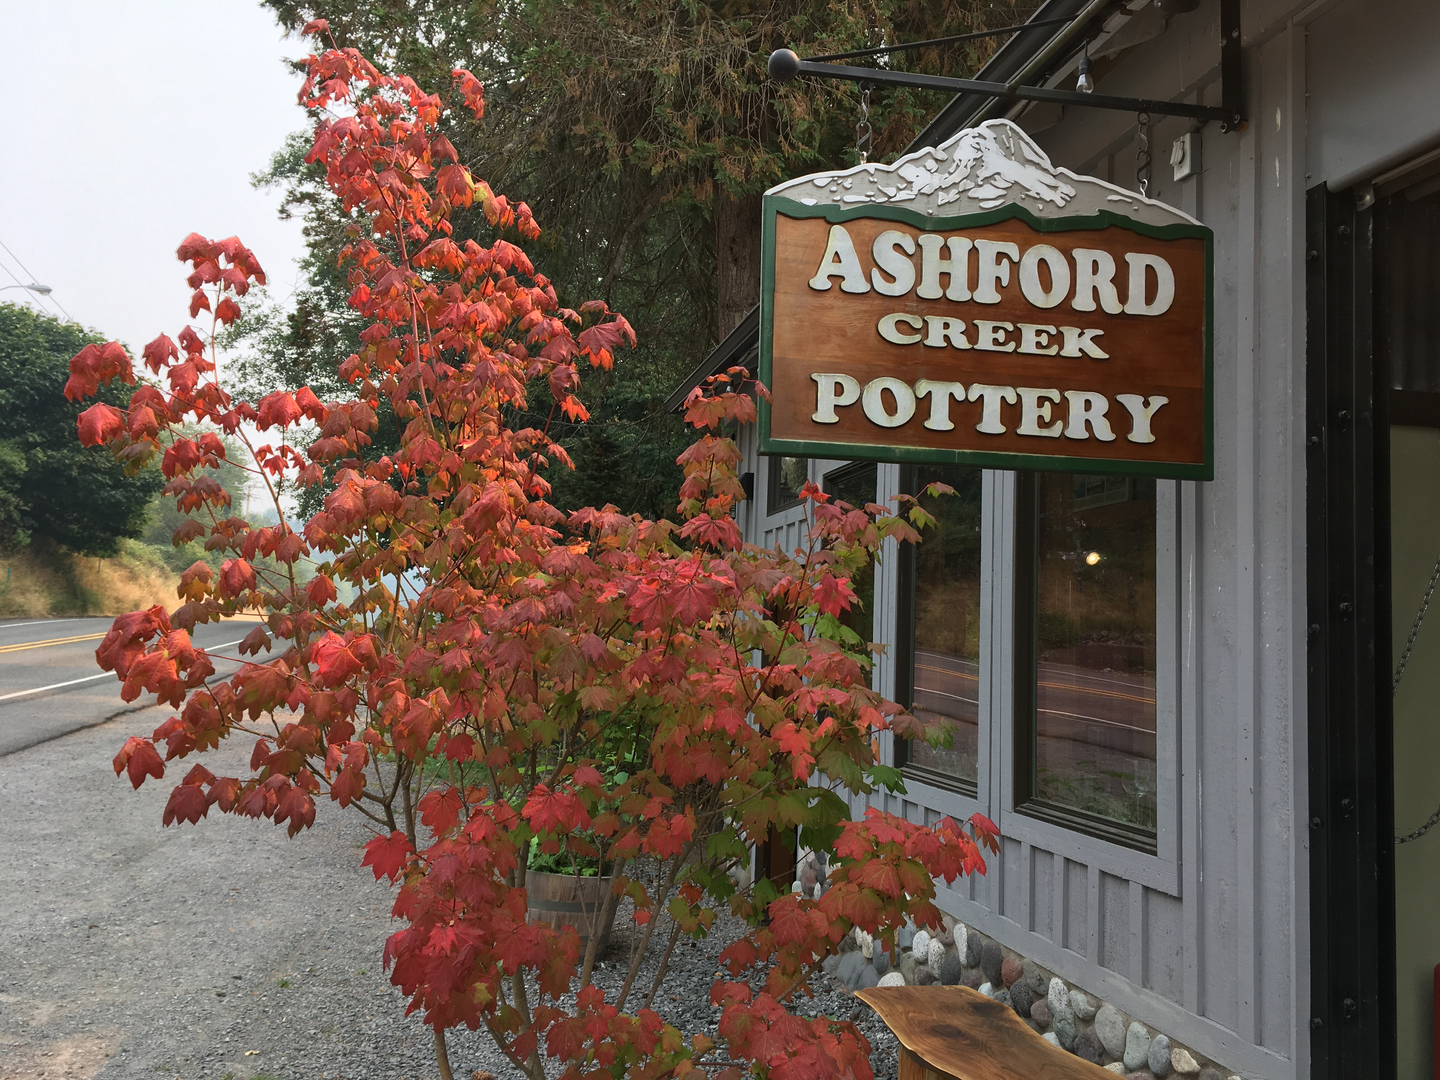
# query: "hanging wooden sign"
973,304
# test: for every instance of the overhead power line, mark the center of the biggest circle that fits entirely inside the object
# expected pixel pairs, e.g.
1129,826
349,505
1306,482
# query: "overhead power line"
32,297
26,269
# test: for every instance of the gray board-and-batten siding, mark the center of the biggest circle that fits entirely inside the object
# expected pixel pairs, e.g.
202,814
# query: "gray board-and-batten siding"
1207,941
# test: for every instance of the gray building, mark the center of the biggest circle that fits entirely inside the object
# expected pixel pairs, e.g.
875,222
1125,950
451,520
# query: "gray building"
1174,697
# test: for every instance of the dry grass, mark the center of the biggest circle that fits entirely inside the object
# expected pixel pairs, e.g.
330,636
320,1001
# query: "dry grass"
35,582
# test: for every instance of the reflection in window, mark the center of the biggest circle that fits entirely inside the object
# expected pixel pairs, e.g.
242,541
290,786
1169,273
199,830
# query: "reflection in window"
787,477
1094,736
946,639
855,484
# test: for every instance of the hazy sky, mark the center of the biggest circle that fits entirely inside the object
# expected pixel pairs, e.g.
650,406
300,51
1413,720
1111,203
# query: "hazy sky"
126,125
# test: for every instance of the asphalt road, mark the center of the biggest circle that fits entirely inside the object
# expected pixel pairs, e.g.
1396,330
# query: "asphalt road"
196,952
50,684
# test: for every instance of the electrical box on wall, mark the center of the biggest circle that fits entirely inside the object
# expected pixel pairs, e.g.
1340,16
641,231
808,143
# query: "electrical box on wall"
1185,155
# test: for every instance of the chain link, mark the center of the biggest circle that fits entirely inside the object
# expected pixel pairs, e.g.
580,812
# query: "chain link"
1142,155
1434,818
1430,823
863,131
1415,629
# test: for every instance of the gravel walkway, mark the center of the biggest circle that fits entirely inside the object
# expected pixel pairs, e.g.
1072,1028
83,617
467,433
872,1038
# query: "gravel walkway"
226,950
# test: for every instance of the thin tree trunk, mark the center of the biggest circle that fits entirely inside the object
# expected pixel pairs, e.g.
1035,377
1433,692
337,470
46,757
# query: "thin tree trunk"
737,258
592,946
406,769
442,1055
664,963
638,957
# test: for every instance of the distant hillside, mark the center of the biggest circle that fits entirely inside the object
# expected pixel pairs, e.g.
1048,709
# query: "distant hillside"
37,581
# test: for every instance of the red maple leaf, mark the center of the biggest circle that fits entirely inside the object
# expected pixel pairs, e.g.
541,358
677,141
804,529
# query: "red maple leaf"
388,856
139,758
278,410
347,786
554,811
227,311
99,424
833,595
440,809
187,803
333,660
298,807
236,577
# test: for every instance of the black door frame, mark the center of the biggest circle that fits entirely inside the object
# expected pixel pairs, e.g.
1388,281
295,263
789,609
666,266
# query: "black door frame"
1352,880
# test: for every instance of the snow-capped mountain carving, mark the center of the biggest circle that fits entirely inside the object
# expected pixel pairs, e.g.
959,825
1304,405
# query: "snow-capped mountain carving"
977,169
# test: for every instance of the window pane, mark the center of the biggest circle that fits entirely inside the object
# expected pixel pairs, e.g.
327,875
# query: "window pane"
947,622
787,477
1095,635
855,484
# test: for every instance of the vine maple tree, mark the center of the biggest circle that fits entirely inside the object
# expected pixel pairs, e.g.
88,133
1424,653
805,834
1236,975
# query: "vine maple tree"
466,695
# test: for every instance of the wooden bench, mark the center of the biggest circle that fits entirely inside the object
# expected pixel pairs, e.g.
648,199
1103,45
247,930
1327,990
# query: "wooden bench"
955,1033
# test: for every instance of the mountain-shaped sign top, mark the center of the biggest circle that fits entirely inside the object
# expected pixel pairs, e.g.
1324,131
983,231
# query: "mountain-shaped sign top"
976,170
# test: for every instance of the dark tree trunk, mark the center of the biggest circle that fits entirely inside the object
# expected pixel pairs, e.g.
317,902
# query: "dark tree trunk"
737,258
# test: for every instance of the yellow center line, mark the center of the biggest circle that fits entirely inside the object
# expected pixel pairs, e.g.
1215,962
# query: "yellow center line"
23,645
1046,685
1102,693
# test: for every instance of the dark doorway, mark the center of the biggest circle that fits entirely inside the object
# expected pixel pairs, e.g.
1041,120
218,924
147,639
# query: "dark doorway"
1373,466
1406,219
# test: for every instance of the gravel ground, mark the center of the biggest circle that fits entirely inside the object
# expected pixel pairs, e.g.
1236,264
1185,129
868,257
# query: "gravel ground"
684,998
226,950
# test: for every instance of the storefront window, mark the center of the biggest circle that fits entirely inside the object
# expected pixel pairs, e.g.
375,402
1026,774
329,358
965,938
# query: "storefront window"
787,477
855,484
944,646
1089,652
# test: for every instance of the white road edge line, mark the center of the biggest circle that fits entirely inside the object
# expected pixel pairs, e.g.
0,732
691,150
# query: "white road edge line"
51,622
103,675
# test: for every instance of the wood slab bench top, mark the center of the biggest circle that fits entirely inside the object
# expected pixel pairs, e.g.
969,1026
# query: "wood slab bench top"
957,1032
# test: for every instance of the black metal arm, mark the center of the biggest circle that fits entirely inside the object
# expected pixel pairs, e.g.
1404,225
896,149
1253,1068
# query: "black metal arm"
785,65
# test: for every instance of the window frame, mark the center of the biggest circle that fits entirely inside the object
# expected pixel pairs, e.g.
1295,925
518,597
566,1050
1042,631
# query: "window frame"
835,475
1103,844
830,476
1177,684
773,486
1026,684
974,795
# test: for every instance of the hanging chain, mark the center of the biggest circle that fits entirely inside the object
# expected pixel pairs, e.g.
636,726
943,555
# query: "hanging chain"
1415,629
863,130
1395,685
1430,823
1142,155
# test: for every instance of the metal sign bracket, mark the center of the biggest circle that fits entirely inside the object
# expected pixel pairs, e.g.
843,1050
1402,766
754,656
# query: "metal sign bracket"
785,65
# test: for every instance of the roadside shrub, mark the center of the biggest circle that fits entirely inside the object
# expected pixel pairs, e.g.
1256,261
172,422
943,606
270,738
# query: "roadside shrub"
471,696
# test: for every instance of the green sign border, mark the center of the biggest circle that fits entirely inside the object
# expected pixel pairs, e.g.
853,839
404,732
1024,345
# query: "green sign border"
774,205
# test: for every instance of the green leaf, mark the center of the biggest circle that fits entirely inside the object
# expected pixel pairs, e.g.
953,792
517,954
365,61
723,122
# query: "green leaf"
834,763
725,844
765,892
888,777
792,809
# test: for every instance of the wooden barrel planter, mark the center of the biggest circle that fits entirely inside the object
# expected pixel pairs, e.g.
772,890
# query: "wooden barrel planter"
567,900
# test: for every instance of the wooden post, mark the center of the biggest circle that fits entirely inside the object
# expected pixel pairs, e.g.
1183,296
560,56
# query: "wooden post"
777,861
